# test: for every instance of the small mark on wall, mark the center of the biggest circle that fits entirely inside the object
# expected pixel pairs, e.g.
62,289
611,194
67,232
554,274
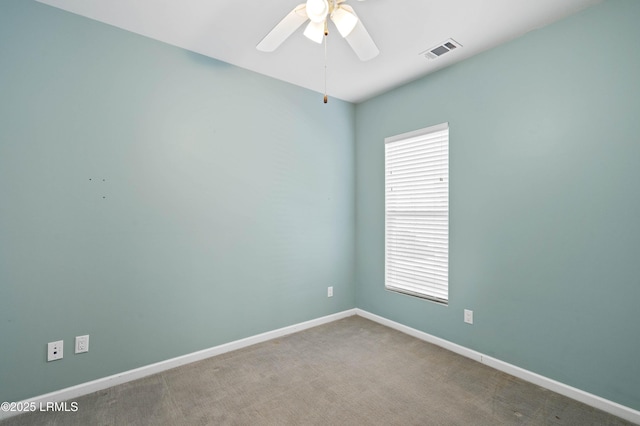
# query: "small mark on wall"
100,181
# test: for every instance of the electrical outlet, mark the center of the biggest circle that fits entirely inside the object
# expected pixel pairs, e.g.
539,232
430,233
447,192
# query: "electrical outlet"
468,316
329,291
55,350
82,344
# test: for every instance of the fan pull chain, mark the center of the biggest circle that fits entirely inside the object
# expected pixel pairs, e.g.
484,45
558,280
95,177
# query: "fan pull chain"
326,34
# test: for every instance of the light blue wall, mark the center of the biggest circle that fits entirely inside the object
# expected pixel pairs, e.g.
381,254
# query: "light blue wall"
545,200
228,209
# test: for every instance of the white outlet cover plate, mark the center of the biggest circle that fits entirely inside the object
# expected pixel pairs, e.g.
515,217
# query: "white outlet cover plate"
468,316
55,350
82,344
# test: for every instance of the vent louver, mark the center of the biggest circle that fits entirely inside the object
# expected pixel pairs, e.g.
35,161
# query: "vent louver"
442,48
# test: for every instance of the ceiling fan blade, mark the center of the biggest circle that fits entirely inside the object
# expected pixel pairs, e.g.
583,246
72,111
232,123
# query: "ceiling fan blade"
284,29
360,40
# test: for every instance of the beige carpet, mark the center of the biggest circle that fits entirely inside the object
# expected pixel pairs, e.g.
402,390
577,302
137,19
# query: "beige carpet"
349,372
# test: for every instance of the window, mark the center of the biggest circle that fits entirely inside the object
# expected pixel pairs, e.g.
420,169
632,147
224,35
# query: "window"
417,213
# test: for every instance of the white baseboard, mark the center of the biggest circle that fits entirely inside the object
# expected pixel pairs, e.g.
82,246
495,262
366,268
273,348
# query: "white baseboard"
138,373
127,376
600,403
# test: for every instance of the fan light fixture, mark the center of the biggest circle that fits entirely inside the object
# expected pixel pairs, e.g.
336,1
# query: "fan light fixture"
345,21
315,31
317,10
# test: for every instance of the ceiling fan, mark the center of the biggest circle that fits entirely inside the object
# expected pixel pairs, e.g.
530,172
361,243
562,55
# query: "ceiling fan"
317,11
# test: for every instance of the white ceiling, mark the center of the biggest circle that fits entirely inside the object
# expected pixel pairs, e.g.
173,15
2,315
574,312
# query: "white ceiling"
229,30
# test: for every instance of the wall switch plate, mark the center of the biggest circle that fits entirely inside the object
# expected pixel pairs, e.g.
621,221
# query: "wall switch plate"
82,344
55,350
468,316
329,291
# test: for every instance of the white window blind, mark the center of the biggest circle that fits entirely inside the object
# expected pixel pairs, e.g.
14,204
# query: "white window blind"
417,213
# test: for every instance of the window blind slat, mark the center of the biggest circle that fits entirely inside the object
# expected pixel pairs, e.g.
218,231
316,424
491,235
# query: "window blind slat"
437,255
407,284
398,243
435,275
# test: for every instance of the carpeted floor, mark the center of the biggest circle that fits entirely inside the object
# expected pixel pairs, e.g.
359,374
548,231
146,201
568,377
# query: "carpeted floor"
349,372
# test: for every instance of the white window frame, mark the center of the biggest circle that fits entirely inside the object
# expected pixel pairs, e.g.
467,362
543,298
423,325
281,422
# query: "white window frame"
417,213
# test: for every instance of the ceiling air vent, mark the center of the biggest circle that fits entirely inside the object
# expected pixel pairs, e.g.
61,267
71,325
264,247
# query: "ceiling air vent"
441,49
